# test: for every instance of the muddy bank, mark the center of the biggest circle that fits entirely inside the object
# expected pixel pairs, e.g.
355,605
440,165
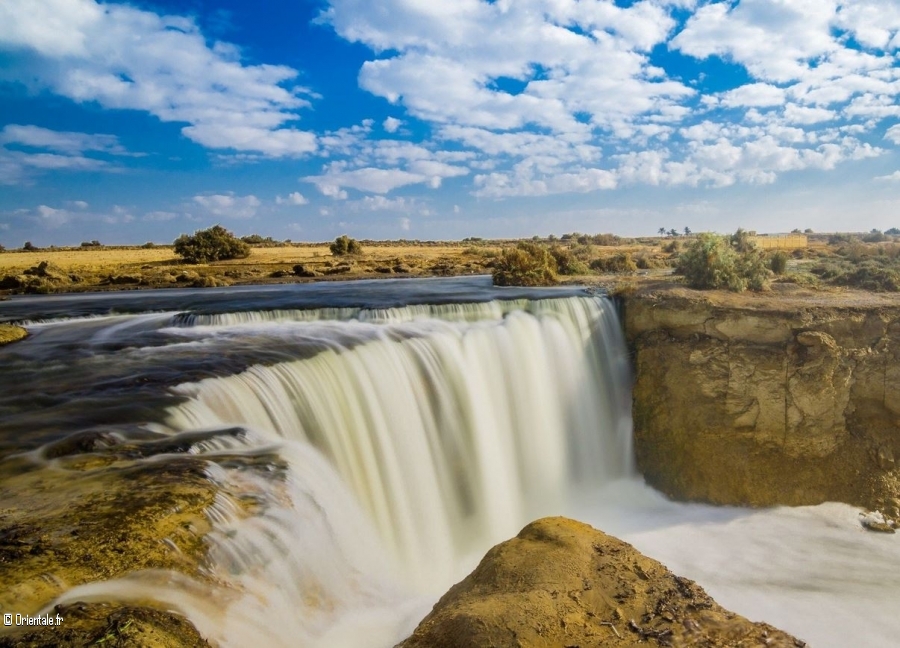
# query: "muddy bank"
563,583
788,397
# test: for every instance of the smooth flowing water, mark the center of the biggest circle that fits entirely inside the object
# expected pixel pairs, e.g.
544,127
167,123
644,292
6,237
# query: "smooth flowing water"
409,425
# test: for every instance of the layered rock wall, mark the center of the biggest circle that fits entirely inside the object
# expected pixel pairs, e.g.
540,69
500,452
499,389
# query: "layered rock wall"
791,397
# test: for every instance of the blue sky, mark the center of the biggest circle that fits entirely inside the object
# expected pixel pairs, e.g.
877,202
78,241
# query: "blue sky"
440,119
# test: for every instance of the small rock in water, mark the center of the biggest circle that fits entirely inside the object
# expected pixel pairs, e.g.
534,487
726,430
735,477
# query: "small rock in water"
875,521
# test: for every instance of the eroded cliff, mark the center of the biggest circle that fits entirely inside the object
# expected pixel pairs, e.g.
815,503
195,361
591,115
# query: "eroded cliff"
788,397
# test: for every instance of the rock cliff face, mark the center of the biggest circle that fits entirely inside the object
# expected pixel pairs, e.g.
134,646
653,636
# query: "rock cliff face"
562,583
791,397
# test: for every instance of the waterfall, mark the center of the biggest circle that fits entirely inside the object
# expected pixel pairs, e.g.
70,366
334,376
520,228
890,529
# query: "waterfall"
451,425
395,446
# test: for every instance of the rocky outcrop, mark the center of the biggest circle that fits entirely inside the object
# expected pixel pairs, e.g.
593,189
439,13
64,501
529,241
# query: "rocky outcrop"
790,397
99,624
563,583
11,333
45,277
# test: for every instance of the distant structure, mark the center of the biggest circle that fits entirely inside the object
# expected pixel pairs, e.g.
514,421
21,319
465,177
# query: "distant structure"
780,241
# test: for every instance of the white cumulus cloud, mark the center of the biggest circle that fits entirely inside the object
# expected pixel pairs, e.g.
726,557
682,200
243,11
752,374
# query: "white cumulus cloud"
229,205
295,198
122,57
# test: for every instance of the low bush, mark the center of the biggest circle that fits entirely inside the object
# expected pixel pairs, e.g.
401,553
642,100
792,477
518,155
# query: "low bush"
732,262
606,240
256,240
879,274
778,263
345,245
875,236
618,263
646,261
567,263
527,264
871,277
671,247
213,244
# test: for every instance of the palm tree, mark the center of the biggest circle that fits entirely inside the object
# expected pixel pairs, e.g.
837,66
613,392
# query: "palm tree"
661,231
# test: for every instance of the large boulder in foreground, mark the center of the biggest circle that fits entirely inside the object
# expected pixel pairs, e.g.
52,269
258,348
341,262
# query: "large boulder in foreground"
563,583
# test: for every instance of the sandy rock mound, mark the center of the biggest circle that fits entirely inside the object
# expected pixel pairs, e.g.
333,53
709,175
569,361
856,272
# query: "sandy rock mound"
563,583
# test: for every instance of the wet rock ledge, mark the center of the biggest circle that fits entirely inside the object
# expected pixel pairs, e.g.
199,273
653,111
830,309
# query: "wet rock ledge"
561,583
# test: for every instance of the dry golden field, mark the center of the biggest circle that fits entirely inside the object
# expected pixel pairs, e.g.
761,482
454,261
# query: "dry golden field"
80,269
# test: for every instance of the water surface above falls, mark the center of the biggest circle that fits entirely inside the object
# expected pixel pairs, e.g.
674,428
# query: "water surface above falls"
369,441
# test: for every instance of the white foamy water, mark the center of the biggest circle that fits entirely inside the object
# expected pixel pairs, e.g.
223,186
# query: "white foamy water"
414,439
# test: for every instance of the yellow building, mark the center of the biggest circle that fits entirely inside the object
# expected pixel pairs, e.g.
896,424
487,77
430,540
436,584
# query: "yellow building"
780,241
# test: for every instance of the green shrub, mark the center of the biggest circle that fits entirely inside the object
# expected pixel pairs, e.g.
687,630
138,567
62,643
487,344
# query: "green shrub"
256,240
740,240
646,261
893,231
527,264
345,245
713,261
871,277
213,244
778,262
671,247
875,236
606,239
149,245
618,263
567,263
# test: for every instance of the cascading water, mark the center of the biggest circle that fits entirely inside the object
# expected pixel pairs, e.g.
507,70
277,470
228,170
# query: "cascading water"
451,434
366,458
408,441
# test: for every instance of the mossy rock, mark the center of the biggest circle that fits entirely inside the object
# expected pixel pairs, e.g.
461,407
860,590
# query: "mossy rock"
99,624
11,333
91,518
